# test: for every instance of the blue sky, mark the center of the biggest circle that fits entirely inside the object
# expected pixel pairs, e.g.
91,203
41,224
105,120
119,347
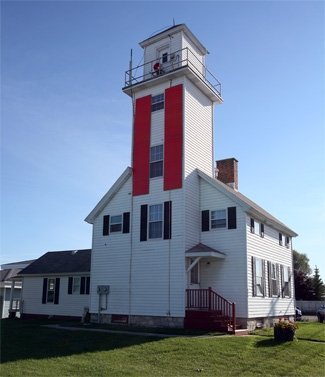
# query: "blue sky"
66,124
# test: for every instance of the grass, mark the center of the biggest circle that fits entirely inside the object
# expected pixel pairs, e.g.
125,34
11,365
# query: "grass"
312,331
31,350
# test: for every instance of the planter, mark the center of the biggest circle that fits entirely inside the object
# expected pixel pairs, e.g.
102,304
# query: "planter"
284,334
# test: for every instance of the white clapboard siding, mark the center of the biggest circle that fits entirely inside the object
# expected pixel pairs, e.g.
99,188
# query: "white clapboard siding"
192,54
226,276
69,305
151,52
111,255
157,280
268,248
198,152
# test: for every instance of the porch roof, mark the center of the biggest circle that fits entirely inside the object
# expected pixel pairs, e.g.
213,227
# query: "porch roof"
201,250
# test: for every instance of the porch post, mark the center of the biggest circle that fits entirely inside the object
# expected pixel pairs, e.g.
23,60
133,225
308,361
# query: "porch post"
209,297
11,295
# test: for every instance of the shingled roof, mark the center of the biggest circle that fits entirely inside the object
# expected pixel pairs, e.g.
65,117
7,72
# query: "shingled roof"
58,262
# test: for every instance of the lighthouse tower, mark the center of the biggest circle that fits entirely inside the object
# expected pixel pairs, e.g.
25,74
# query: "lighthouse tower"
151,215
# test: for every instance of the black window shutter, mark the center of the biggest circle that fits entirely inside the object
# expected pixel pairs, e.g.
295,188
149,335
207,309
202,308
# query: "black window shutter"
143,222
167,220
253,276
205,221
262,230
70,285
252,225
269,272
289,274
106,225
57,291
126,222
263,278
82,285
232,218
87,285
44,291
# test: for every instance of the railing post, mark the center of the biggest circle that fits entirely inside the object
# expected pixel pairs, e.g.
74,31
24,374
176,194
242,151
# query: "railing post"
209,297
234,316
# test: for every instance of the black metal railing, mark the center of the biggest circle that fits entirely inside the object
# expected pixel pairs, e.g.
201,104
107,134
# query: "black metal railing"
170,63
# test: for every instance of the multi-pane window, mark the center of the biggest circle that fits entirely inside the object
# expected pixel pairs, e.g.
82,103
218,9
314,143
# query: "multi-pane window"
285,282
116,223
262,230
218,219
50,290
259,278
76,285
274,280
157,102
156,161
287,241
155,221
280,239
252,226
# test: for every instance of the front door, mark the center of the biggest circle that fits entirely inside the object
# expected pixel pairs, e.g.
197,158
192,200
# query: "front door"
194,278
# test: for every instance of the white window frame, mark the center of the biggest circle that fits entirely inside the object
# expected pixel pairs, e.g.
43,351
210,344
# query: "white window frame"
116,220
155,159
287,241
76,283
155,218
259,277
158,102
286,281
50,290
274,279
214,217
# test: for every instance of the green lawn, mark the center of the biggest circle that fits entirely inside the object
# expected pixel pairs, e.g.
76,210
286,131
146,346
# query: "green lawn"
31,350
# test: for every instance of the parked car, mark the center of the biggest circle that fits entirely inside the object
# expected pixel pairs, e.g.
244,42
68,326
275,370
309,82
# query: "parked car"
298,314
321,313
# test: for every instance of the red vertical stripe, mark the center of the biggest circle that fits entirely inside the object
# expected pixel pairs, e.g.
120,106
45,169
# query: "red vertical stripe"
141,145
173,147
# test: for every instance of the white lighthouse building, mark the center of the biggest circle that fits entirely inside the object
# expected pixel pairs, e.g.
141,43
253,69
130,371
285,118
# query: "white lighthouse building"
174,243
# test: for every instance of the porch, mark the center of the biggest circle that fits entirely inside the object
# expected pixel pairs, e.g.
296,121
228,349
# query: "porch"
207,310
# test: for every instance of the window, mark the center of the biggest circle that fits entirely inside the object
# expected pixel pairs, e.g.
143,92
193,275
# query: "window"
157,102
280,239
155,221
194,274
252,226
164,57
156,161
273,271
262,230
116,223
218,219
50,290
287,242
258,277
285,274
76,285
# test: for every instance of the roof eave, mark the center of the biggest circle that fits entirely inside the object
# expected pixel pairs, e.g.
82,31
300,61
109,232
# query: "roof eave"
109,195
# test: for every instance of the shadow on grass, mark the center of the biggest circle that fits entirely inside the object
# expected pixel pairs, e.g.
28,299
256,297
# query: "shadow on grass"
27,339
266,343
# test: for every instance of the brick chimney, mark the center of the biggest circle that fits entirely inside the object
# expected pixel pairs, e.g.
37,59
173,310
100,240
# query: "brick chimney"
227,172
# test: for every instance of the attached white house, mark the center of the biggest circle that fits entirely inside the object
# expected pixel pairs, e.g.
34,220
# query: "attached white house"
174,241
56,285
10,288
